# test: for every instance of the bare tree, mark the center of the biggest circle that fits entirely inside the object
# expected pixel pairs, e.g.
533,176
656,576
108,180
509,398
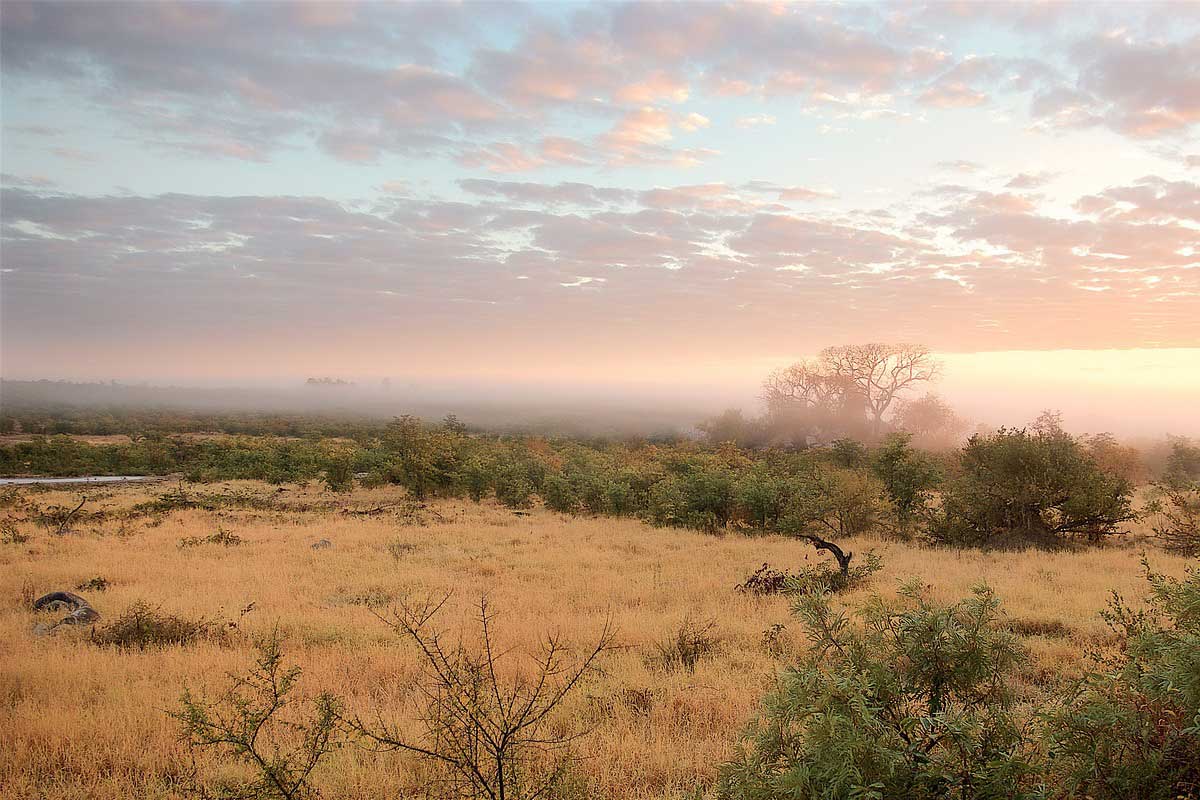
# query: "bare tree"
931,420
879,373
492,736
808,399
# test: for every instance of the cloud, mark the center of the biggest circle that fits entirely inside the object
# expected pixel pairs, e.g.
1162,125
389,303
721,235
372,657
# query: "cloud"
1142,88
1031,180
671,262
755,121
591,86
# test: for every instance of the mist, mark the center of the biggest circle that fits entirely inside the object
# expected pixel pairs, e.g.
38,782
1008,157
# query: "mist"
1130,393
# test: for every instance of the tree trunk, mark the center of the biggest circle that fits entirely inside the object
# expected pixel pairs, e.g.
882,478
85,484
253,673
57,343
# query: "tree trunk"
843,558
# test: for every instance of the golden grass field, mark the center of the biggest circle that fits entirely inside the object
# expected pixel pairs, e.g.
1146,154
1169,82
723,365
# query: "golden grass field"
78,720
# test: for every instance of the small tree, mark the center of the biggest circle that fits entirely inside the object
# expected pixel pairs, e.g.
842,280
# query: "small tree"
1177,504
256,722
1016,486
491,736
908,477
835,501
914,704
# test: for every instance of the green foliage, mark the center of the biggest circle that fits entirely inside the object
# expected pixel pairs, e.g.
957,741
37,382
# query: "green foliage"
259,724
908,478
222,537
1177,506
835,500
1132,727
1183,464
763,494
560,495
913,703
848,453
338,474
1023,487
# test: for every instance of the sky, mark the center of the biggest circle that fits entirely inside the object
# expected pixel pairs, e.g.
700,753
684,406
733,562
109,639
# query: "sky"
671,196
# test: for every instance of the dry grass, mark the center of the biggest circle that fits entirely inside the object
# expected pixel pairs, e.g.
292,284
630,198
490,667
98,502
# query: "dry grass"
79,720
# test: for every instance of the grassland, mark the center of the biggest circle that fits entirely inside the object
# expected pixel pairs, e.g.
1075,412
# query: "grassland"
79,720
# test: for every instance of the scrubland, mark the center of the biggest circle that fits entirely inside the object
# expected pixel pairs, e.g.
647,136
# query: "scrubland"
84,720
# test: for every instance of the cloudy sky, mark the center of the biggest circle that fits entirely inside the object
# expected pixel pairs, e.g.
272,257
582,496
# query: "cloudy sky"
259,191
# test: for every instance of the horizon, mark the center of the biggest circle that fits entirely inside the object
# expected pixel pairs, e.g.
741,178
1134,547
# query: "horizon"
990,389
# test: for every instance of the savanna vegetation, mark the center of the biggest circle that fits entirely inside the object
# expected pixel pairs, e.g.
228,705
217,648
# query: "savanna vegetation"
839,599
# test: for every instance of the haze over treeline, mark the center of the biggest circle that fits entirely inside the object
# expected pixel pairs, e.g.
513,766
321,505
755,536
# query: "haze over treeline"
1130,393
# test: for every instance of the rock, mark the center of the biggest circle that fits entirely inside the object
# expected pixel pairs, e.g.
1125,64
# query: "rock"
322,544
81,611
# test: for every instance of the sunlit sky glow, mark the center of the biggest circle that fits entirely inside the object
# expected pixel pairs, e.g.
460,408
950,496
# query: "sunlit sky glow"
630,194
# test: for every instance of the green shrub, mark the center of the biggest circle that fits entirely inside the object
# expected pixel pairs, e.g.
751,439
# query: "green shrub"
834,500
142,626
913,704
559,495
514,489
1177,504
1017,487
256,723
668,503
1132,727
908,478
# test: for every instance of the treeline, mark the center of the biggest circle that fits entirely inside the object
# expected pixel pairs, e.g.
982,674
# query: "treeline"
1038,486
140,422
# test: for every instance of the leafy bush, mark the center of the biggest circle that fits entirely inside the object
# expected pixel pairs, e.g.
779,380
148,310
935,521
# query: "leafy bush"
338,474
559,495
908,478
842,501
514,489
914,703
848,453
1132,727
1020,487
1178,505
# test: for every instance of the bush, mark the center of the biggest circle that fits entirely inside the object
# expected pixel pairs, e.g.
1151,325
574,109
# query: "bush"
514,489
693,642
338,474
763,495
1018,488
222,537
142,626
908,478
810,580
911,704
668,503
1132,727
489,732
1178,528
559,495
842,501
256,724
